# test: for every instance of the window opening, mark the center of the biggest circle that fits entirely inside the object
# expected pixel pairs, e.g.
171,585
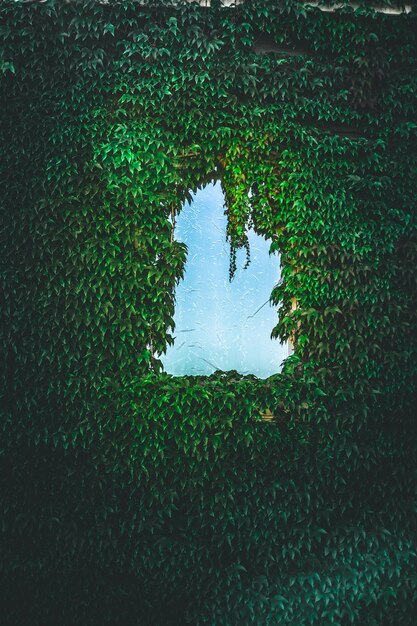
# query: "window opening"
222,325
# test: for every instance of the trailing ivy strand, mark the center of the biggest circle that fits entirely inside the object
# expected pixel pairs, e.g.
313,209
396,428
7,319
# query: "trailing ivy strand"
129,496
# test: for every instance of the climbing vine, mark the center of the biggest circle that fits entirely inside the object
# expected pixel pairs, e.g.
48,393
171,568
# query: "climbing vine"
133,497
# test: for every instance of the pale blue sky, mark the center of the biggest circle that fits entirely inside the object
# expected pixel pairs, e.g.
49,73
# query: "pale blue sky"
220,325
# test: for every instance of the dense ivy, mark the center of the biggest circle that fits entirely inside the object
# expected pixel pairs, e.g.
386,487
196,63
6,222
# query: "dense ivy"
133,497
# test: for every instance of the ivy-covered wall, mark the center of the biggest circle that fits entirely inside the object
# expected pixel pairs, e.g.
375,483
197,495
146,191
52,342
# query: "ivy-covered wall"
132,497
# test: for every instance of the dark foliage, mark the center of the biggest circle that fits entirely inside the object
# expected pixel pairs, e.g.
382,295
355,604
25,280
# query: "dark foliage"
132,497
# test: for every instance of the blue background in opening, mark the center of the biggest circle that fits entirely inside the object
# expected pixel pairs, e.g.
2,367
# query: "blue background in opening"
218,324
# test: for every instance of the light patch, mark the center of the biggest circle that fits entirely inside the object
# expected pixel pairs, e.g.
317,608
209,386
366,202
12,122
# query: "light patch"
221,325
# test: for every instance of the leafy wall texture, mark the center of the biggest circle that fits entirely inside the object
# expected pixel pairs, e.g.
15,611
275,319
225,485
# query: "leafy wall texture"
133,497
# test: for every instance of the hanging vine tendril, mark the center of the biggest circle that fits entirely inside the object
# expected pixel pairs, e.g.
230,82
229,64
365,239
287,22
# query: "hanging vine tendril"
238,209
235,244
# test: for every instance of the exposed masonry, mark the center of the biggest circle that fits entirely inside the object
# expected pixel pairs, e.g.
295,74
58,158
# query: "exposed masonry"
406,8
